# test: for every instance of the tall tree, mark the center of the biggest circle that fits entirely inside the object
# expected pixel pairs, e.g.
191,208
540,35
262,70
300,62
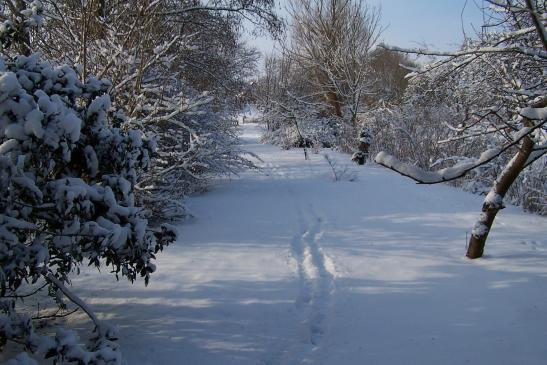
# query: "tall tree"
333,40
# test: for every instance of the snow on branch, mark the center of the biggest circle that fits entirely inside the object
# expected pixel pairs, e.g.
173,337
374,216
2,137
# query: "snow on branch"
534,113
528,51
451,173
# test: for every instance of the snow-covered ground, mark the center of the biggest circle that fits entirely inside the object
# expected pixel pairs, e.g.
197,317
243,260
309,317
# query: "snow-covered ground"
284,266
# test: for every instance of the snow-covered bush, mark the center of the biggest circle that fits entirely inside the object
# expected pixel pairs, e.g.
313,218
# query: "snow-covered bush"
68,169
301,128
197,144
365,140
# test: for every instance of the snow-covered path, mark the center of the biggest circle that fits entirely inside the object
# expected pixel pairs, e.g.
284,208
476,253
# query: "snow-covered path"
284,266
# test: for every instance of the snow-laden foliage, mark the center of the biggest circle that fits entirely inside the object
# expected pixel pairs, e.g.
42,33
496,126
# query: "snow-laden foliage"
301,127
417,134
332,40
491,97
365,140
16,23
176,69
196,145
68,169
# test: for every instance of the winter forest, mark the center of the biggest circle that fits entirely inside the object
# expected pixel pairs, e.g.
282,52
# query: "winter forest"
171,194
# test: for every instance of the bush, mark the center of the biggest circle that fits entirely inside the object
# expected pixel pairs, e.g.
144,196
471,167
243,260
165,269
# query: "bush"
68,168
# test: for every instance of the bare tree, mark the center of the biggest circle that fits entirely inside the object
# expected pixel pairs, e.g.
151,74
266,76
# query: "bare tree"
390,70
177,67
333,40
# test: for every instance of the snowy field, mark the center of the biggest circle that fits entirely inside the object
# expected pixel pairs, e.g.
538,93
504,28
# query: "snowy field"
284,266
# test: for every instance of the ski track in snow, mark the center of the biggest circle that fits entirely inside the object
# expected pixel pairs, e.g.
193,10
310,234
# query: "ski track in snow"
316,275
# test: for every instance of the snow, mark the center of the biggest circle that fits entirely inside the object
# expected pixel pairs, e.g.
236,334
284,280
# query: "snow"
9,85
22,359
33,123
494,200
8,145
285,266
534,113
480,228
249,114
445,174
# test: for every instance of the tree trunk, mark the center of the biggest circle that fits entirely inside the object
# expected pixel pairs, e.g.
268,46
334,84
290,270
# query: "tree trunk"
83,51
509,174
334,102
494,200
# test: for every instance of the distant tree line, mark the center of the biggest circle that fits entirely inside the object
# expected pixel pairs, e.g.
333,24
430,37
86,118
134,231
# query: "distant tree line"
474,117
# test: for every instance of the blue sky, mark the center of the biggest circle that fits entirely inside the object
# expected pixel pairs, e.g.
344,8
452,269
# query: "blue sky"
435,22
409,23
